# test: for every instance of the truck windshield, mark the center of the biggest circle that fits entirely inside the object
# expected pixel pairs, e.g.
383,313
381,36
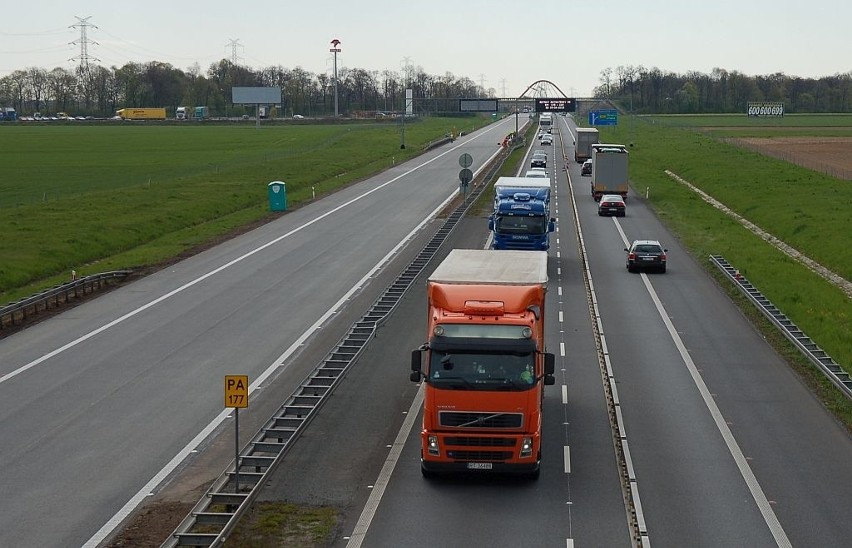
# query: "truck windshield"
481,371
512,224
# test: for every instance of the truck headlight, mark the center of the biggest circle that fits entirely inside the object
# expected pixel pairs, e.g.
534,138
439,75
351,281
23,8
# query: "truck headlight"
526,447
432,446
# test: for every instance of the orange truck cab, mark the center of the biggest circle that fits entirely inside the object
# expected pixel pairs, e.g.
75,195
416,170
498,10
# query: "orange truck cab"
485,366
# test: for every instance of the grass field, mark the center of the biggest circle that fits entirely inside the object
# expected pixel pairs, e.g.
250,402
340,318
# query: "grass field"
806,209
102,197
740,125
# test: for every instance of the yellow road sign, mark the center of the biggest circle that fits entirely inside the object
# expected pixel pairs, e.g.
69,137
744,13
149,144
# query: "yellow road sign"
236,391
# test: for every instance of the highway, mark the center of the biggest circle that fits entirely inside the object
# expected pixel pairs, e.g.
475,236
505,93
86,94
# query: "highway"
729,447
104,402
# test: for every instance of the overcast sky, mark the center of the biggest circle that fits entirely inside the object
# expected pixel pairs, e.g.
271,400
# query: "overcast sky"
505,44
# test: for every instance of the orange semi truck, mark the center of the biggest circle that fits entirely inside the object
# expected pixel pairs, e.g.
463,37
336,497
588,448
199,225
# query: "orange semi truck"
485,366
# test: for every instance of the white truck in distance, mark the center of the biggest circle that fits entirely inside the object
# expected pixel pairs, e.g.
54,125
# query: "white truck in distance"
586,137
609,170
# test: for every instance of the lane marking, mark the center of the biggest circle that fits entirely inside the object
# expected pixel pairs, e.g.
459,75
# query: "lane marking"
560,317
745,470
562,349
215,271
566,455
190,448
375,497
564,394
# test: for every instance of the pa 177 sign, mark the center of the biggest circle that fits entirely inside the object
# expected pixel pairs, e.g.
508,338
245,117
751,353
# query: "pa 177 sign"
236,391
763,108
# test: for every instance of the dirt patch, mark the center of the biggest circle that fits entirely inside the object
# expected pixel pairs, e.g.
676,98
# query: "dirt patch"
152,525
829,155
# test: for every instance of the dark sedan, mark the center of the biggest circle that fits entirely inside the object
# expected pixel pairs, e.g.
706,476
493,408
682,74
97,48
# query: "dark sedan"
612,204
646,254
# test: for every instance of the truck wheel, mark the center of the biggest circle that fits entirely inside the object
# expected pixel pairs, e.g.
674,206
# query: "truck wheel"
427,474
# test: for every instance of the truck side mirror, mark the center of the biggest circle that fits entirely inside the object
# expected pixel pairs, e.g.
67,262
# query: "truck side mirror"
490,223
549,368
551,226
416,372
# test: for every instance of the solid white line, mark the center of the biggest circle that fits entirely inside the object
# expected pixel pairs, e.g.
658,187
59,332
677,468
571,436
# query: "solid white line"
564,393
375,497
569,543
566,455
213,272
176,461
149,487
745,470
227,265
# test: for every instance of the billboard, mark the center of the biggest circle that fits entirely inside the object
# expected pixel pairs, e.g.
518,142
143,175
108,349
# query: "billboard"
478,105
256,96
559,104
765,108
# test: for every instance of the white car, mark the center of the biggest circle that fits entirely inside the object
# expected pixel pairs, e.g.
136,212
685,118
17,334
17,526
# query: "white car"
547,140
536,172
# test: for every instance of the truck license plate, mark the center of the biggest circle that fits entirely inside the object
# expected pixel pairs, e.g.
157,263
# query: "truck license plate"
479,466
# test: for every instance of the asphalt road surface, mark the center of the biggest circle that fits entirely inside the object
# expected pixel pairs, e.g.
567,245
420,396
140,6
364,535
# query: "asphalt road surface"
104,402
729,447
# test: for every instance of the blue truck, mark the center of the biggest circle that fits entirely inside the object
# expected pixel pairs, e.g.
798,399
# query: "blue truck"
8,114
521,218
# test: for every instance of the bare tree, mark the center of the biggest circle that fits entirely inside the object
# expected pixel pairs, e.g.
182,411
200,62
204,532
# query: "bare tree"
38,87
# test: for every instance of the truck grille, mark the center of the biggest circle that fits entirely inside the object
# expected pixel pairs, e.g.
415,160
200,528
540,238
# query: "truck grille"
462,441
457,419
480,455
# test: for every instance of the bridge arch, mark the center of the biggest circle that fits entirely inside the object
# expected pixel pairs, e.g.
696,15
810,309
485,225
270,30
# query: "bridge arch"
542,88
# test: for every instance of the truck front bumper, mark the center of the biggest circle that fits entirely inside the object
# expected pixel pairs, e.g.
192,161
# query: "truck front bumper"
526,468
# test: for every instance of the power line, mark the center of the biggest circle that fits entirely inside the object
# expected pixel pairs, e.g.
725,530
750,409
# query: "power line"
234,43
84,57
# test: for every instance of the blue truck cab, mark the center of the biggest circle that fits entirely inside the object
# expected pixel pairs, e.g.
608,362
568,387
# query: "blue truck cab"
521,218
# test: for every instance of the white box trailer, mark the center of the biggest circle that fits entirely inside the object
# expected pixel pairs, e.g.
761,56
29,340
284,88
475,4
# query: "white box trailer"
609,170
586,137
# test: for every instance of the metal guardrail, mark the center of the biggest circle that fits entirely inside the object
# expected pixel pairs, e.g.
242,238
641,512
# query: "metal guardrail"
838,377
216,515
17,313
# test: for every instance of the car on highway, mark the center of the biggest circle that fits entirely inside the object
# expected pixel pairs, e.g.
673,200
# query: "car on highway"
612,204
539,159
547,140
586,168
646,254
536,172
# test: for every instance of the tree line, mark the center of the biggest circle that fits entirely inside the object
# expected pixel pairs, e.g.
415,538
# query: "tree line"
99,91
654,91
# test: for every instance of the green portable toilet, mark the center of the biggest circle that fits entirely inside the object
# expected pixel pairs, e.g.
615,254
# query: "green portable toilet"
277,196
